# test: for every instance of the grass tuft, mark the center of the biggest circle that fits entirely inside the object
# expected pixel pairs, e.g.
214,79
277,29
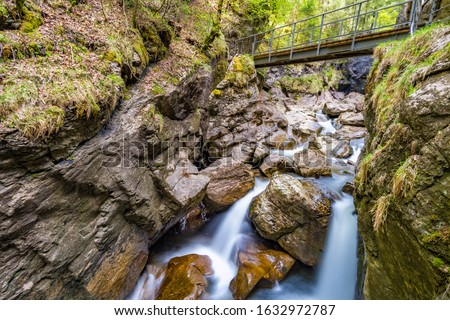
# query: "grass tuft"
379,211
403,180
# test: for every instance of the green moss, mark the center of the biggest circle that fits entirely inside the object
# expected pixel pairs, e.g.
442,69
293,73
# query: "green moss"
326,79
217,93
158,89
244,64
20,6
437,262
240,71
32,20
153,118
437,237
17,94
3,10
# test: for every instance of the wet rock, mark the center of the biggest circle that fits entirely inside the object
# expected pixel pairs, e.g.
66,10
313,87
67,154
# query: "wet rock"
243,152
349,187
343,150
278,94
256,267
274,163
347,132
276,139
194,219
184,184
335,108
356,99
229,181
295,214
352,119
312,163
356,72
332,147
185,278
261,152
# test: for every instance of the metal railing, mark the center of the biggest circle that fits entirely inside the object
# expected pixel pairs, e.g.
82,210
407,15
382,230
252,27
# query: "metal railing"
343,24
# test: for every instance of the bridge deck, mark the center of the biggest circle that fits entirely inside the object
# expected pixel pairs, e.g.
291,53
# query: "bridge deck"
363,45
349,31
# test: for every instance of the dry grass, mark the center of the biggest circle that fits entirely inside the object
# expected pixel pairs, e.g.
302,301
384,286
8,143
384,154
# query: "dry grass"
379,211
364,168
403,179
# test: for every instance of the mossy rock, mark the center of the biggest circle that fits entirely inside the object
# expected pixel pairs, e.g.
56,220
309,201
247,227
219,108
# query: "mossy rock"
32,20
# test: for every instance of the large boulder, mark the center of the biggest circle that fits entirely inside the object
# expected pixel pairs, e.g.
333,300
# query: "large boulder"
185,278
184,184
229,181
356,72
254,267
351,119
295,214
312,162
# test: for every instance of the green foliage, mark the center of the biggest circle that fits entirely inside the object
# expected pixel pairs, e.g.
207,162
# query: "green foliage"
217,93
3,10
158,89
32,20
437,262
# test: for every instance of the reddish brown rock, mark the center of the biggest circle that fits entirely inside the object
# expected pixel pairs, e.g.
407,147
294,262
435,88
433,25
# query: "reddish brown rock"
268,266
185,278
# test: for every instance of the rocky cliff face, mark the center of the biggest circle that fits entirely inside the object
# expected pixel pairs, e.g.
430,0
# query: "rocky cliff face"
402,186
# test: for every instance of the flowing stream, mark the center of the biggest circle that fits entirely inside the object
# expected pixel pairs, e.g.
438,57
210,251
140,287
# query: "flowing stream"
334,278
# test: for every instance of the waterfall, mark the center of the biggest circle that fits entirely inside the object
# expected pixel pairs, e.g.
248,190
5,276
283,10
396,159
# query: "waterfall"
229,229
337,273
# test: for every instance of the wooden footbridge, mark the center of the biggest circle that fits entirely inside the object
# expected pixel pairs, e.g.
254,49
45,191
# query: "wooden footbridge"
350,31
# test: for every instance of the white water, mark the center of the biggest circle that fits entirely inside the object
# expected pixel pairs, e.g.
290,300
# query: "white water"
325,123
225,237
289,153
335,277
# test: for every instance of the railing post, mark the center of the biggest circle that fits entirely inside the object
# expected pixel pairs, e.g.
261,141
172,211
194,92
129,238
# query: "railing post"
433,10
340,30
293,41
356,26
412,18
270,44
253,45
320,34
375,20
